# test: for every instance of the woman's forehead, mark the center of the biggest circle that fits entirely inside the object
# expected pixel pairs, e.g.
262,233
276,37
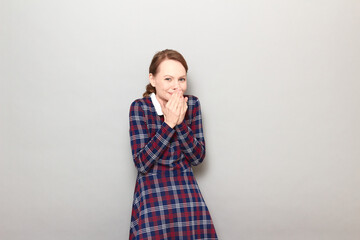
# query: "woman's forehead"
171,67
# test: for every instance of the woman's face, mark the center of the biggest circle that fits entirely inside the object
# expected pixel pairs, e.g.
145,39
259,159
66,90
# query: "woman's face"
171,76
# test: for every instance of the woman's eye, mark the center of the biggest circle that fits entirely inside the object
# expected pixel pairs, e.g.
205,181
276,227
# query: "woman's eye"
182,79
167,79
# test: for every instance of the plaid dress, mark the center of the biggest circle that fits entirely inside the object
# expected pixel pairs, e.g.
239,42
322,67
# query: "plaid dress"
167,200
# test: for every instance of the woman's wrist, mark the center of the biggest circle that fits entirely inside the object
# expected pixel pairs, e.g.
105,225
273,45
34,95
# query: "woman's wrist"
172,125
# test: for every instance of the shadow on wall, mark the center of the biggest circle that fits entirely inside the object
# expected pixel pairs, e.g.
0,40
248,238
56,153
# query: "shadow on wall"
201,169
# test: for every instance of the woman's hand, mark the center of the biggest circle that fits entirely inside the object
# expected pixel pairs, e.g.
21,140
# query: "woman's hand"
172,109
183,109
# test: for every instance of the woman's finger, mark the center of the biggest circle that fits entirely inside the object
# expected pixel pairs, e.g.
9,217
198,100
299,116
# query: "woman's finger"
184,105
170,103
179,103
176,101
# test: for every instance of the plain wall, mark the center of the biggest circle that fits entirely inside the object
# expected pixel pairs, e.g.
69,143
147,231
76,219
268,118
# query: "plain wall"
279,86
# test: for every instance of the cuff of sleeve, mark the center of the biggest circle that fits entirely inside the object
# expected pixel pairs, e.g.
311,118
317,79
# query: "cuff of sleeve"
167,129
182,128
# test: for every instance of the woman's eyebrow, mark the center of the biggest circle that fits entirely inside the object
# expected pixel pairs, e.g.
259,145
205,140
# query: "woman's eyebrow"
183,76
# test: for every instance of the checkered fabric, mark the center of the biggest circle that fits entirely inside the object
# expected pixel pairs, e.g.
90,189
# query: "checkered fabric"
167,200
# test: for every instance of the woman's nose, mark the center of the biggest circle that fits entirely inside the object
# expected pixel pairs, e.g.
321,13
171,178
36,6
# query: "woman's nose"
176,84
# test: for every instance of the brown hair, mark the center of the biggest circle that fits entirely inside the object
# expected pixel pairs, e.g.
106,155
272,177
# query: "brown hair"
158,58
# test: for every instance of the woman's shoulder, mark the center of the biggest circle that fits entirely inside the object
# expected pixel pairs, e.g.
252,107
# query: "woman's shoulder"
141,104
141,101
192,100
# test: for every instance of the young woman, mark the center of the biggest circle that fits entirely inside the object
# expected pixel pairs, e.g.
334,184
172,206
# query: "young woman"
167,140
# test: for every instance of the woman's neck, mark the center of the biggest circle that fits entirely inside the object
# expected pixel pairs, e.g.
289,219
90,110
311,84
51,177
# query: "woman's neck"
161,101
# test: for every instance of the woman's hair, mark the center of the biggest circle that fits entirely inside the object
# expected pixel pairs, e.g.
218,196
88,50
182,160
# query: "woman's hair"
158,58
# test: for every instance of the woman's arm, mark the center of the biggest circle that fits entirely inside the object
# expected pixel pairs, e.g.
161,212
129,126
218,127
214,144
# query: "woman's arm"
191,138
146,150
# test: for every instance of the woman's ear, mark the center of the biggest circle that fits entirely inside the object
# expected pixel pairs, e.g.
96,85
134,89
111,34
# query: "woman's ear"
151,79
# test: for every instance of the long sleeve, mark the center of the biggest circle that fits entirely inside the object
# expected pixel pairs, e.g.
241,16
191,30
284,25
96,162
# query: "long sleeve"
146,150
191,138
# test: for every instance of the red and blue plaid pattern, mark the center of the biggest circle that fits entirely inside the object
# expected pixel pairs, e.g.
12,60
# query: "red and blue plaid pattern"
167,200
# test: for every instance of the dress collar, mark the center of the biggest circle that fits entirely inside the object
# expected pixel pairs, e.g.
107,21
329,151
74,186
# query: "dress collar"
156,104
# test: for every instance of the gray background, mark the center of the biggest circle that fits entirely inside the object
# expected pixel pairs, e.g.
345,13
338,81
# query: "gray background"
280,92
